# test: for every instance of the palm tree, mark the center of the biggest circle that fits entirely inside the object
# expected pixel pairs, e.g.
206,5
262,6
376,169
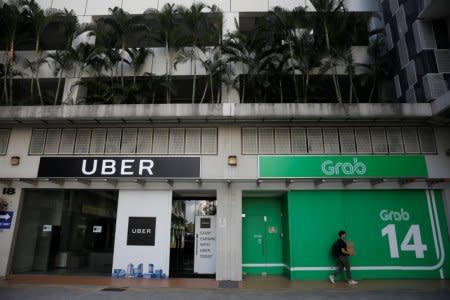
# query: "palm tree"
39,20
11,15
62,62
169,35
137,59
327,18
123,27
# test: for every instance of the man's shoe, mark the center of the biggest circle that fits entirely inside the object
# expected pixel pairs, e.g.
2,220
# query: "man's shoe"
331,277
352,282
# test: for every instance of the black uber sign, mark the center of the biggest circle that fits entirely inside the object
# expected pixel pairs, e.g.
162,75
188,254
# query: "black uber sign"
107,167
141,231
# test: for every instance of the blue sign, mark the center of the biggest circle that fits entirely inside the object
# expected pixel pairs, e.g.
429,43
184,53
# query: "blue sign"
6,219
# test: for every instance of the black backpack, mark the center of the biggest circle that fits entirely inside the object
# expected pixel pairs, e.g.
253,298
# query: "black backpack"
335,251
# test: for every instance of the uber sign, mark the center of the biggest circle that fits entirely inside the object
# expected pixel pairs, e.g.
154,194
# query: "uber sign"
141,231
165,167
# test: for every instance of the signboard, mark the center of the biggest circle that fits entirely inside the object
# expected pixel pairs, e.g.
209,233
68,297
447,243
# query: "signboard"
6,219
341,166
205,245
397,234
96,229
141,231
107,167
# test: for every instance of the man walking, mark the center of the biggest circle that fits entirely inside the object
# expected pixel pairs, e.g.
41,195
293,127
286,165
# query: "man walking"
341,253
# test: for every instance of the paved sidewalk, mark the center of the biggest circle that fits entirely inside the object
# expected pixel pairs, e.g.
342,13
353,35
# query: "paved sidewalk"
384,290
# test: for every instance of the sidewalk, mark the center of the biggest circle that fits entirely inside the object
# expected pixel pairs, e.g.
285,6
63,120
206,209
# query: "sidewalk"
77,287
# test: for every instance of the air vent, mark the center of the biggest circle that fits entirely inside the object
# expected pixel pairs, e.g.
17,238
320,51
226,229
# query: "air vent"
129,138
442,60
395,141
298,140
52,141
427,140
209,141
411,73
282,140
411,140
37,143
193,140
434,86
83,141
249,141
403,51
363,141
98,141
347,140
67,141
145,141
315,141
113,140
331,140
378,137
266,140
176,141
4,140
160,140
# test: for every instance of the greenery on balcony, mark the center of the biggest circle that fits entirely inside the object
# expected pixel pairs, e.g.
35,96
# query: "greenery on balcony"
287,56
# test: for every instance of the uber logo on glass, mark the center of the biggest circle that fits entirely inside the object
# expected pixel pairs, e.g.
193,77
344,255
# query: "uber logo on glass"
141,231
167,167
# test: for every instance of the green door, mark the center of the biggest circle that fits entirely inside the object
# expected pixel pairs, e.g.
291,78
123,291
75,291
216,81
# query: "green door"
262,236
254,244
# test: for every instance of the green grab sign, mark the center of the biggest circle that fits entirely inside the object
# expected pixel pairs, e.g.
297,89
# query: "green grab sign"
341,166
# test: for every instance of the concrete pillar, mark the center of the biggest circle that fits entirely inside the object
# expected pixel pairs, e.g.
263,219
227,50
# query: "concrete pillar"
229,234
7,235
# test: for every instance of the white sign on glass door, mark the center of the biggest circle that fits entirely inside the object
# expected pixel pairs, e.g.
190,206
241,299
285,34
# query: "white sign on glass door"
205,245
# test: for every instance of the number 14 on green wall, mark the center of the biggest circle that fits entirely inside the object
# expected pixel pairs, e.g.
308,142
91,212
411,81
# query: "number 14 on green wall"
411,242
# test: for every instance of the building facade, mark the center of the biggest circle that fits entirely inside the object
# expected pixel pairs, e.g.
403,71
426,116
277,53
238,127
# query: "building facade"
231,189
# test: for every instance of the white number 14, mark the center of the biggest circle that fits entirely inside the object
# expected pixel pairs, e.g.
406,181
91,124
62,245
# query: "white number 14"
406,245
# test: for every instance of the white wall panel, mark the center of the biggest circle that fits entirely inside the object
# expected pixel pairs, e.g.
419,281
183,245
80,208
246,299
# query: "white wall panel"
139,6
101,7
79,6
143,204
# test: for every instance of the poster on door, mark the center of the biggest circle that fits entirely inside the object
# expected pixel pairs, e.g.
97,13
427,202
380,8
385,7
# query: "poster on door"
205,245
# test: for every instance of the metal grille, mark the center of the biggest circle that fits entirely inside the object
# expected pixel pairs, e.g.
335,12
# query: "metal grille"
298,140
4,140
331,140
67,141
282,140
113,140
176,141
209,140
266,141
37,143
347,140
363,141
249,141
129,138
98,141
193,140
427,140
145,140
378,137
160,140
411,140
395,141
83,141
315,141
52,141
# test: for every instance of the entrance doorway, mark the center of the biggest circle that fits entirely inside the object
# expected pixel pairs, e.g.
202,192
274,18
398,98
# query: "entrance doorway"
262,235
193,235
66,231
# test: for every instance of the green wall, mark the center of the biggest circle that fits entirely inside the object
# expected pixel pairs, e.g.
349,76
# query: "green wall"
315,217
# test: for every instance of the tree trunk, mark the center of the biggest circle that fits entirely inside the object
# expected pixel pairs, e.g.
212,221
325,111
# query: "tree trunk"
204,91
5,81
372,90
333,69
297,92
281,91
306,88
211,83
58,87
167,72
243,89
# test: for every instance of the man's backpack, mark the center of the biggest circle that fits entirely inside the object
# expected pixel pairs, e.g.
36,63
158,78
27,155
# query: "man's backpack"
335,251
